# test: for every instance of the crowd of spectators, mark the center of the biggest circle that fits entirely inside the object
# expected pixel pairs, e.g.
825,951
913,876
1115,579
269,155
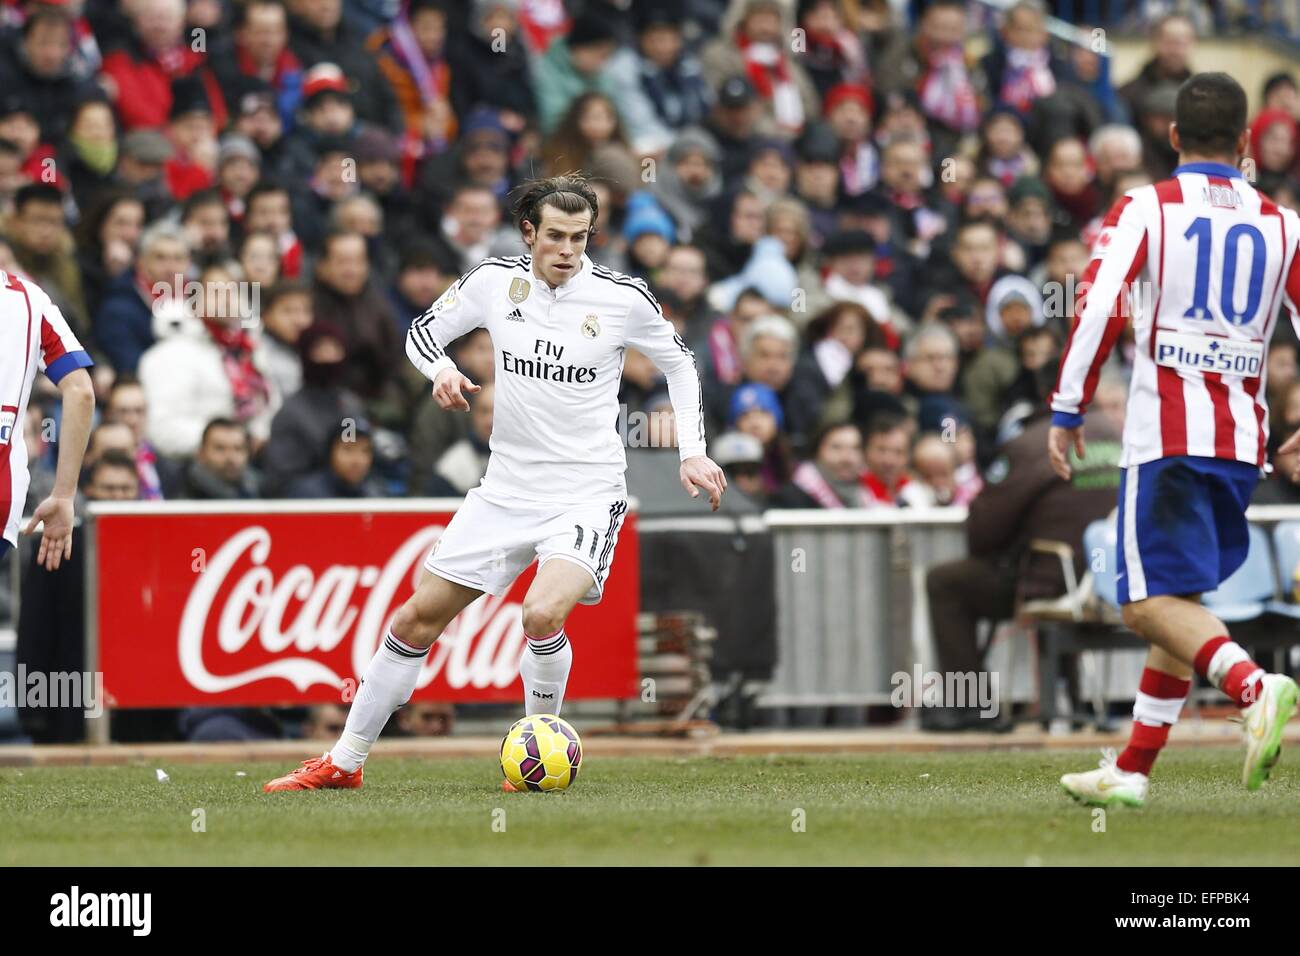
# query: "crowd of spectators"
869,236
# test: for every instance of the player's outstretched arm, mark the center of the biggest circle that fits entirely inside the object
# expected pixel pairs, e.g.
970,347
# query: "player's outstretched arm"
56,510
448,389
700,471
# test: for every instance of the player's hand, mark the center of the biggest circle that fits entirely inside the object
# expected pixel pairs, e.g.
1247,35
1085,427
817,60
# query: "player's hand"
699,471
447,388
1059,440
1292,444
56,538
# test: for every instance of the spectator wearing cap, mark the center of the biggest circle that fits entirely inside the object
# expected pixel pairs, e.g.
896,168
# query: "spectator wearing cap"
38,68
736,119
649,233
204,365
935,65
39,237
259,48
123,322
690,181
327,113
317,35
572,65
847,108
221,468
1172,40
286,315
141,73
740,456
412,53
755,409
832,476
192,130
835,53
302,429
239,165
257,116
490,65
1031,217
757,47
349,472
821,386
817,179
142,168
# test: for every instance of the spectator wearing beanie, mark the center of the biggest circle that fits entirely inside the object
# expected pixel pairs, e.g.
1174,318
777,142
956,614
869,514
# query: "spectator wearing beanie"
690,180
756,410
847,109
191,128
302,429
736,119
649,233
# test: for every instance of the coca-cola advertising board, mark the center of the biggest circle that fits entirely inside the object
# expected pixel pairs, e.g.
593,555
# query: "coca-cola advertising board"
214,604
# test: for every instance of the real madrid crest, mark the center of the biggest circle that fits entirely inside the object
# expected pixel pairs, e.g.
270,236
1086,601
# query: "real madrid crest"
519,289
590,327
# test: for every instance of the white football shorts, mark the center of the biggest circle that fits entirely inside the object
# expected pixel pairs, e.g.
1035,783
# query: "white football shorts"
494,537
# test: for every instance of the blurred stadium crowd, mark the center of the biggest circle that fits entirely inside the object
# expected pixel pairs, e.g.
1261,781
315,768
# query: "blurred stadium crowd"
870,238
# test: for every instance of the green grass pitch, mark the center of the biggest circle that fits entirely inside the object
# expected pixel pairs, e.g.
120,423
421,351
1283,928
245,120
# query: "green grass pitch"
994,808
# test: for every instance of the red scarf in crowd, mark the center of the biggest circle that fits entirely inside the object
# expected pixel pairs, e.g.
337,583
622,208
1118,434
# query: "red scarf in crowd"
767,69
879,492
286,62
246,382
947,92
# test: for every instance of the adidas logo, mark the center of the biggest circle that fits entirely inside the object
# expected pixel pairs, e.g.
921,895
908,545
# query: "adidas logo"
515,316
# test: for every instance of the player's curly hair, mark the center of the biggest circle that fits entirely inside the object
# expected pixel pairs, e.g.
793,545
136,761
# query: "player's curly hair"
569,192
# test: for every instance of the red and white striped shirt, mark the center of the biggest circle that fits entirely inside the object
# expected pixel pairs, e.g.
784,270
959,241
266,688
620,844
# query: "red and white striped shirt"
33,335
1199,262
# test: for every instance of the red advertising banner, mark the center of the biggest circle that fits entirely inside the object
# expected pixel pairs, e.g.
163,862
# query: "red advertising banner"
204,607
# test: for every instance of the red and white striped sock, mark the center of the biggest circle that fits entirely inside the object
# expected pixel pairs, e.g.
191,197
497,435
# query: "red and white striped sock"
1227,666
1159,701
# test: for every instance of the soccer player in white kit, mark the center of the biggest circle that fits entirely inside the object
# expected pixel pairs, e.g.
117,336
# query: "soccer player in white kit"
554,488
1217,257
35,336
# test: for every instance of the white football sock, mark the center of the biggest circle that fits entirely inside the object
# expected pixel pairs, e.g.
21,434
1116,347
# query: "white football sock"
545,670
388,683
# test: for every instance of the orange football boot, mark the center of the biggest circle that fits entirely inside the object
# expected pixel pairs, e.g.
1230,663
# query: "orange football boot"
318,773
508,787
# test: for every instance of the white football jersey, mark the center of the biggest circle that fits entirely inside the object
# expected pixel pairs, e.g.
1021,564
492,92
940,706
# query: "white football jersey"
559,362
33,335
1199,262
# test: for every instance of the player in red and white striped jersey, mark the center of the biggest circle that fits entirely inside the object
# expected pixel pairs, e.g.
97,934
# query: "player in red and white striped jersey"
34,335
1200,263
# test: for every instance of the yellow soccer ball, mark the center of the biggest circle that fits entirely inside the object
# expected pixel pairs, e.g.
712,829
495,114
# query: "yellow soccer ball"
541,752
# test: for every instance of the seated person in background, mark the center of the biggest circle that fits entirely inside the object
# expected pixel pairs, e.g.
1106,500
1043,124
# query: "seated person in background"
324,722
1278,488
1022,499
349,471
886,446
425,718
220,469
741,457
